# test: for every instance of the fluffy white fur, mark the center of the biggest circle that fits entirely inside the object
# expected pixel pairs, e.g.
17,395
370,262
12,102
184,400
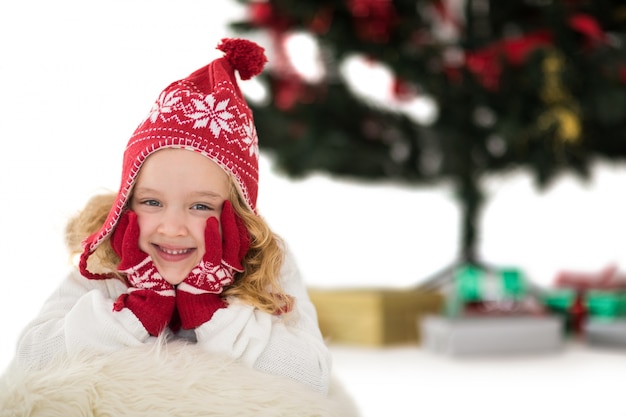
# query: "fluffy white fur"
166,380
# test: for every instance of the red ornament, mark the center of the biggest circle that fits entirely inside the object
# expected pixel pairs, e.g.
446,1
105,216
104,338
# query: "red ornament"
322,20
262,14
486,63
588,26
373,19
289,91
402,90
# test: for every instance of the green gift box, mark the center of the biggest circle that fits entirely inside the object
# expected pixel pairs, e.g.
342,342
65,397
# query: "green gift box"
605,305
600,304
560,300
591,306
474,284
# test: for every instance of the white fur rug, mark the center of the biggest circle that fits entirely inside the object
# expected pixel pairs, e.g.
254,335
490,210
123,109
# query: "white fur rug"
162,381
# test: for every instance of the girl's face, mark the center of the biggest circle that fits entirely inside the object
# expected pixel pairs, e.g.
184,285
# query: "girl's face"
176,192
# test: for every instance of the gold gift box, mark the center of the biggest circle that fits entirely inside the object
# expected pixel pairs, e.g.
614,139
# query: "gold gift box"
373,316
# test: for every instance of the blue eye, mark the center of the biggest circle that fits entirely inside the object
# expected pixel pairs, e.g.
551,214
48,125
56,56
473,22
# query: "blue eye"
202,207
151,203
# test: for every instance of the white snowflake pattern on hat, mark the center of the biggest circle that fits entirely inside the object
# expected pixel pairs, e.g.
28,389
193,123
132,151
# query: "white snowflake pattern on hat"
211,110
251,139
164,104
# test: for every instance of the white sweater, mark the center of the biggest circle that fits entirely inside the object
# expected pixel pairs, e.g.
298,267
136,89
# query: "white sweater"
79,316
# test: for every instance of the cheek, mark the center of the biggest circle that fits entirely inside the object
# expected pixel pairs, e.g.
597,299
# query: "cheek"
144,232
198,232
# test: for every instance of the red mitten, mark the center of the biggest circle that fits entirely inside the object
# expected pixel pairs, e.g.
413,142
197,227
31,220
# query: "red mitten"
197,297
150,297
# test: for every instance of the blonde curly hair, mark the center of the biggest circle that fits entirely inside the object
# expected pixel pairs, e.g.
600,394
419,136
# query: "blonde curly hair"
257,285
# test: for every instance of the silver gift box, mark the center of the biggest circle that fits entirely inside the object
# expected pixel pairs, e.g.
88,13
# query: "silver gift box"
609,334
492,335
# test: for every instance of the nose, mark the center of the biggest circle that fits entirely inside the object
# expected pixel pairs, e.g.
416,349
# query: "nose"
173,223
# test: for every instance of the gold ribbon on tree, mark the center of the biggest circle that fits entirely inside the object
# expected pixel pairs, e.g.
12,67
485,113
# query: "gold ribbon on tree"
562,114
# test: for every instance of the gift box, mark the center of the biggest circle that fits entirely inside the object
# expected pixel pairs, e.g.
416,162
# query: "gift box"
582,297
476,284
373,316
605,305
484,335
474,290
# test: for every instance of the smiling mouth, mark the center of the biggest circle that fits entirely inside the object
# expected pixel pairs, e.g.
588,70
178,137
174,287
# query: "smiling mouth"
174,252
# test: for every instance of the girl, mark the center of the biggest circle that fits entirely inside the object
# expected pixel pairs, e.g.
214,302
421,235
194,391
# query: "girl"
180,251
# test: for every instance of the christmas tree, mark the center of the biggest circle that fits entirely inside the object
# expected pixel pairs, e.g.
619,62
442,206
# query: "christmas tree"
538,85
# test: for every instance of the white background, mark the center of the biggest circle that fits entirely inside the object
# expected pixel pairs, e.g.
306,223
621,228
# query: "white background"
76,77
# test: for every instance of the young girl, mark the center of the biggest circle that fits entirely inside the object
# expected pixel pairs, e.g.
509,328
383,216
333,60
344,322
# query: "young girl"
180,251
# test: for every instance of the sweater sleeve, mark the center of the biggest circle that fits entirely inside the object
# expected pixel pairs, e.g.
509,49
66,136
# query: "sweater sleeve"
290,345
78,316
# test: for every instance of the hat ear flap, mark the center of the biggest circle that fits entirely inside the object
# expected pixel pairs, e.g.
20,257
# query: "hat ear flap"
82,261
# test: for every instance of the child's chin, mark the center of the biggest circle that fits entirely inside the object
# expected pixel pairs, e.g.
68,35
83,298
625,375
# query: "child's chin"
175,281
174,278
172,275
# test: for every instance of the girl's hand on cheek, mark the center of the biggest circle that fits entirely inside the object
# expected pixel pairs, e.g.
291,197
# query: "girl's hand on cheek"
198,296
150,297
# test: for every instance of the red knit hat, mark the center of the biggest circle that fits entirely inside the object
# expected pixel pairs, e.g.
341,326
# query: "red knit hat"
206,113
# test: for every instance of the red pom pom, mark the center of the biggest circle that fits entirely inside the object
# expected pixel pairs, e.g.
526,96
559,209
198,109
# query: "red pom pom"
245,56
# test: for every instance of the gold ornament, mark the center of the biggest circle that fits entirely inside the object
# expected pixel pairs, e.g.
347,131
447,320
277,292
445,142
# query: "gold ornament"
564,120
562,113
